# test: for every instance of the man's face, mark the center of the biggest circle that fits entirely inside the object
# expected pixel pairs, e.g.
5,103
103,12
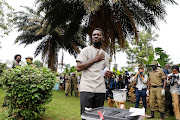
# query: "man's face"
174,71
154,67
97,36
141,70
167,67
18,57
28,60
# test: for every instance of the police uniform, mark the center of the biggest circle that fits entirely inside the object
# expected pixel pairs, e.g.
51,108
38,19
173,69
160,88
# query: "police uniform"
68,84
155,79
30,63
74,84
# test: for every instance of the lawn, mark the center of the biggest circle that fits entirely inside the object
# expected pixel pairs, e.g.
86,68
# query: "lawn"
64,108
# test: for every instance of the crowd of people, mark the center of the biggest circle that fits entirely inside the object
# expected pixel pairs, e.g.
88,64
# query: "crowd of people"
162,86
69,82
94,88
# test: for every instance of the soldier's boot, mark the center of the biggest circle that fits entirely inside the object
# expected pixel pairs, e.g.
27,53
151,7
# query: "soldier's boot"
76,94
152,115
162,116
66,95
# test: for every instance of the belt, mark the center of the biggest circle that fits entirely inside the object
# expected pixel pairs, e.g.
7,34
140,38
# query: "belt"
142,88
156,86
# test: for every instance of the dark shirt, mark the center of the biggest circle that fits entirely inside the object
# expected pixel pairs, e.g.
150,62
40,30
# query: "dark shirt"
15,64
166,72
119,84
112,83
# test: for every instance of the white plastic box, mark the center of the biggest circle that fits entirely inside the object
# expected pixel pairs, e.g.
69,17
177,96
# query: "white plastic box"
119,95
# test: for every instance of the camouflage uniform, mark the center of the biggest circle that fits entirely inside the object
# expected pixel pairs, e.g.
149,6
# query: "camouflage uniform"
67,84
74,84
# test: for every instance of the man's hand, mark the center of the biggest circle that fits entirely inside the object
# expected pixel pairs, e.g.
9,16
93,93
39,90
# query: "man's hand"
138,73
147,92
83,66
162,92
99,57
108,74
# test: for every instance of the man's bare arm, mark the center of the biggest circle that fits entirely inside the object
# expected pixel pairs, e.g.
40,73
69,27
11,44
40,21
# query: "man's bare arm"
148,84
83,66
164,85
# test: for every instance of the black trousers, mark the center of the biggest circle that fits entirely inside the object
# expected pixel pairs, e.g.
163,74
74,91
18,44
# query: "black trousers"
91,100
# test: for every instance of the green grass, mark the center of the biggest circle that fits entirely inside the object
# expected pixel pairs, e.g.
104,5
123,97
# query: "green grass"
65,108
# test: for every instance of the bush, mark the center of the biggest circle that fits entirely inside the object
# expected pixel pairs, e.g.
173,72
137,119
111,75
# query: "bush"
2,67
28,89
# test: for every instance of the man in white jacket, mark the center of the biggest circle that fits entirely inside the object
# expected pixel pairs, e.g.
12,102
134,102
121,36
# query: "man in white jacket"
174,81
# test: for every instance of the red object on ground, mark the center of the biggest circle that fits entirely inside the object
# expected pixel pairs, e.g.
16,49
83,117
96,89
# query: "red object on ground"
101,115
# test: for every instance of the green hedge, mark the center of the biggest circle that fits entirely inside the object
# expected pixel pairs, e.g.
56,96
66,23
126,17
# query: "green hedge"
27,90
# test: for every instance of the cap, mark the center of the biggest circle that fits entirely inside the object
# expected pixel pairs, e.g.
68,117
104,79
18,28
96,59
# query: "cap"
29,57
154,63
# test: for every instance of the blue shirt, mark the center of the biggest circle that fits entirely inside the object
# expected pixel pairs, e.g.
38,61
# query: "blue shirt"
166,72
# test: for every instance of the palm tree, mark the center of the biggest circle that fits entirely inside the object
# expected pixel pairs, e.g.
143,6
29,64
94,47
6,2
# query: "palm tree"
120,19
32,25
6,18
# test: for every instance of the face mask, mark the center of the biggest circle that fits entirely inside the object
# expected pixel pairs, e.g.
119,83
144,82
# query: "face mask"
28,62
154,67
18,60
97,44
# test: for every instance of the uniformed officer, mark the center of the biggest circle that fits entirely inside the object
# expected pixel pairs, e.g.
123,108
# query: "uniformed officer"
67,84
29,61
157,89
74,84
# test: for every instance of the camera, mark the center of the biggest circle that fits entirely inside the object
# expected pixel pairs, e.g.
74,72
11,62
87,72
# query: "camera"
173,79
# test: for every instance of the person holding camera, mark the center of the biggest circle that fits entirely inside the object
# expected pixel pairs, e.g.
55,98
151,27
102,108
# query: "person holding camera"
174,81
141,86
157,92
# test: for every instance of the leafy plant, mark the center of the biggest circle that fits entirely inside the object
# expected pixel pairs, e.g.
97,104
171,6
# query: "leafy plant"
69,69
6,18
38,63
163,57
28,89
2,67
143,51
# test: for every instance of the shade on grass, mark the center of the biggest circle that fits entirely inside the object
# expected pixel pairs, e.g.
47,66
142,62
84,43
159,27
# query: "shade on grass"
65,108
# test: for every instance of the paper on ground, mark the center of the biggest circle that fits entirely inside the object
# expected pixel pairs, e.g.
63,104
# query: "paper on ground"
137,111
104,71
124,89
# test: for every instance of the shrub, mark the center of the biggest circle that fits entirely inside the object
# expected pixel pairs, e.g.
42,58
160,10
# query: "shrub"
28,89
2,67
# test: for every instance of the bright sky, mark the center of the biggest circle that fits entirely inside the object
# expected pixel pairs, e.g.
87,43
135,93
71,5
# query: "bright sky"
168,39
